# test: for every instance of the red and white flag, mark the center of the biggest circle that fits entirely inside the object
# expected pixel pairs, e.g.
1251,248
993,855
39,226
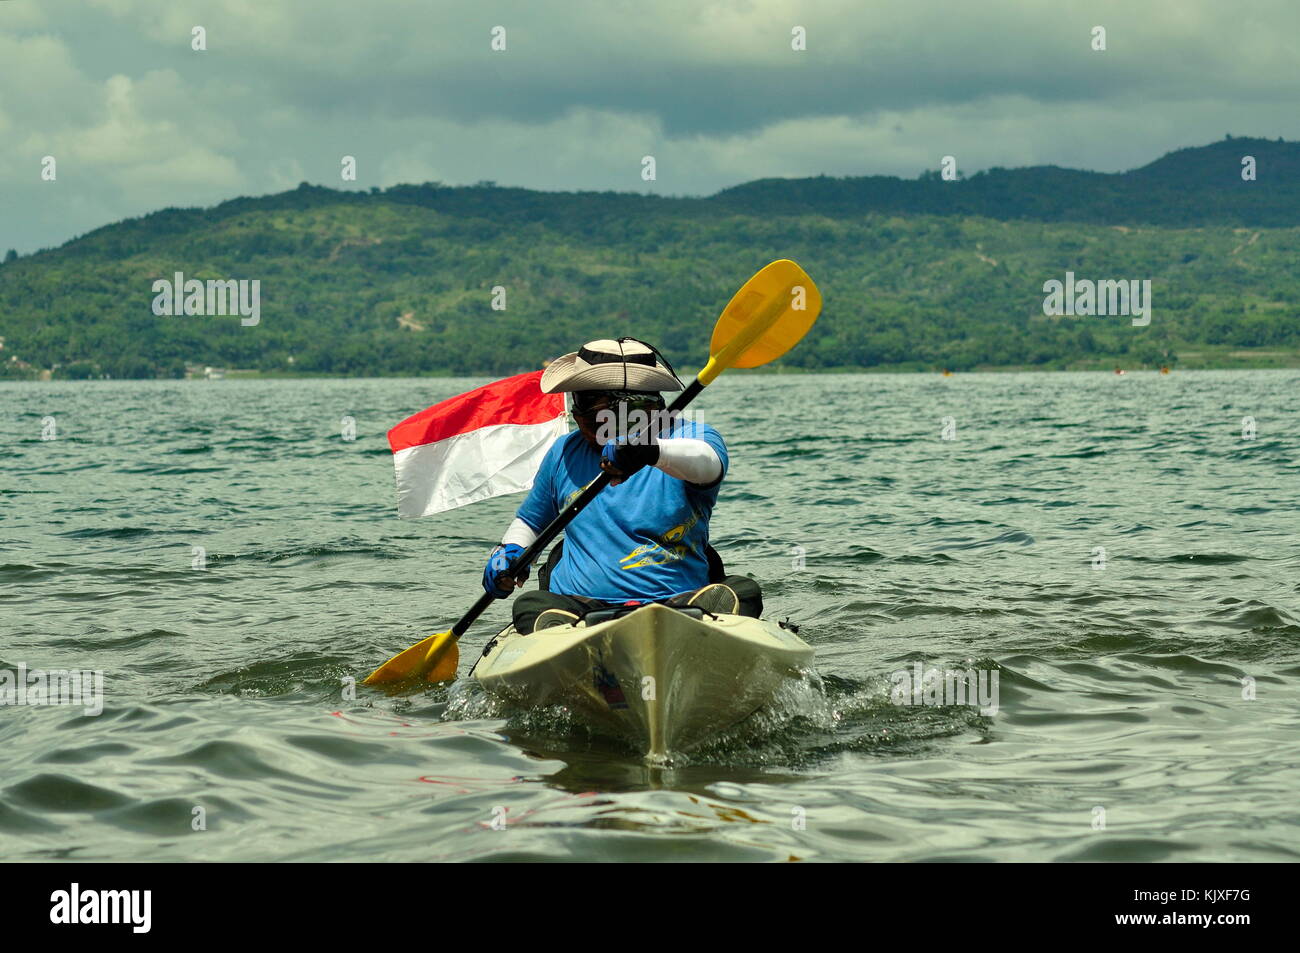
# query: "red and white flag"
475,446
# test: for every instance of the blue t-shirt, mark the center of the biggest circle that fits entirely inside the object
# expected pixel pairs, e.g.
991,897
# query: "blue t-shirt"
642,539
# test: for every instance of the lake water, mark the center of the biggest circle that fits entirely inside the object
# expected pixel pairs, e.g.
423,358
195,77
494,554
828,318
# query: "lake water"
1112,547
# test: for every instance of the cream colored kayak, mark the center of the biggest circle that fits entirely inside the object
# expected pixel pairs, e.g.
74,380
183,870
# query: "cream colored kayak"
662,678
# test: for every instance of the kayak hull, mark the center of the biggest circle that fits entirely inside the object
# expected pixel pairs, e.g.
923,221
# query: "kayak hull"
660,678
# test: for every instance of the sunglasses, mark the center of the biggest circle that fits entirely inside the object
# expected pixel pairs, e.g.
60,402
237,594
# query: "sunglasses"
590,403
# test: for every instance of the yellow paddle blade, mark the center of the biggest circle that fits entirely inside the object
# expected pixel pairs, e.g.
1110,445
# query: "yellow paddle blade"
443,658
764,319
432,660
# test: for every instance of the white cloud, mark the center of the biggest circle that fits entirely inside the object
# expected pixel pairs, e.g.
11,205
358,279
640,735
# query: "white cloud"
38,72
22,16
283,174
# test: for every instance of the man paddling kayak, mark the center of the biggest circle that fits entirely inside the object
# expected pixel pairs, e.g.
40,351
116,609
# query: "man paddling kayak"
646,538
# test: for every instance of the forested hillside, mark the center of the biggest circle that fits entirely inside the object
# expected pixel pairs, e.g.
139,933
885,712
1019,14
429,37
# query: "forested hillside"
918,273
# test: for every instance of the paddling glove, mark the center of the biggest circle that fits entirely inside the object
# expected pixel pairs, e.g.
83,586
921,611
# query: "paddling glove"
500,562
629,457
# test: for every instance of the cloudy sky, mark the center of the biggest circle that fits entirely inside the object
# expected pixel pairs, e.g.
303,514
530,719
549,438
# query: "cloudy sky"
137,120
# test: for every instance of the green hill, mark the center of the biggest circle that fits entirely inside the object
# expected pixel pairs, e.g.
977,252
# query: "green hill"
918,273
1200,187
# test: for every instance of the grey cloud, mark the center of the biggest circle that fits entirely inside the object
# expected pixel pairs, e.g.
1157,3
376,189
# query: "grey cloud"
140,121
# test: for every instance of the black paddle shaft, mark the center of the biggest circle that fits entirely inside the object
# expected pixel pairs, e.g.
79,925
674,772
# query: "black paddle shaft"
564,519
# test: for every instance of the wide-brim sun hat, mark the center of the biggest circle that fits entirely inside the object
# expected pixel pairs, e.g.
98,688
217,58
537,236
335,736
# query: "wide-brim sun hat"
609,365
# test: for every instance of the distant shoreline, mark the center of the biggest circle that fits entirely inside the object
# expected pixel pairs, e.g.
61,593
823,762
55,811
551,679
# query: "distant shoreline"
1292,364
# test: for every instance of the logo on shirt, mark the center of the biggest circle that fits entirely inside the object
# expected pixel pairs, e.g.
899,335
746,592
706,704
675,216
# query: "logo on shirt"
668,548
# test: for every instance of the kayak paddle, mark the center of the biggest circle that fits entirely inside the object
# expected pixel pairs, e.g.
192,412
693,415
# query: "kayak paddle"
763,320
